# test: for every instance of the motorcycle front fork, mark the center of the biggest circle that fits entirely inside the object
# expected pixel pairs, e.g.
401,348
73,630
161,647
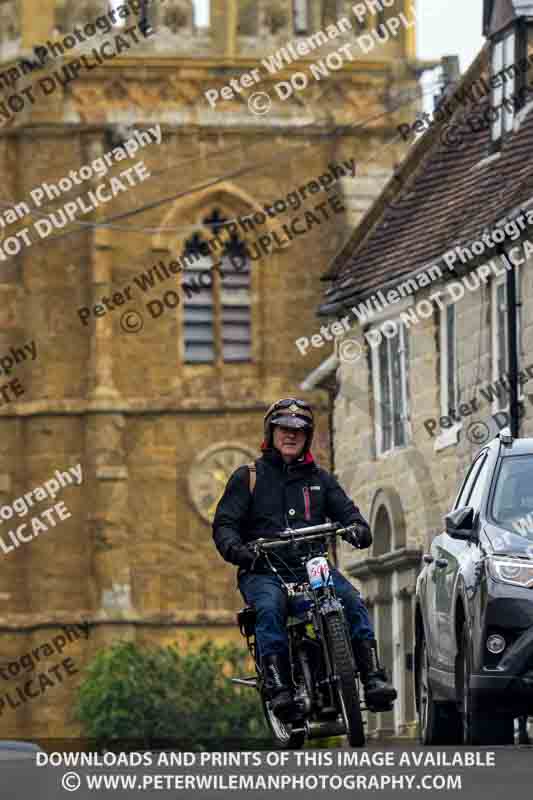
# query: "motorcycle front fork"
304,694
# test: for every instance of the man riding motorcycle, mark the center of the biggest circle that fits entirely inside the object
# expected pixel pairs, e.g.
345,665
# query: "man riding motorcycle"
285,488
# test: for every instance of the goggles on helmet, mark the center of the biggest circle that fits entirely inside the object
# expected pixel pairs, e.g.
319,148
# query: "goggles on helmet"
290,413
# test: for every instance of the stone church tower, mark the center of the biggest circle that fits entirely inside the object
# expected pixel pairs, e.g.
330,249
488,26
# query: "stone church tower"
158,418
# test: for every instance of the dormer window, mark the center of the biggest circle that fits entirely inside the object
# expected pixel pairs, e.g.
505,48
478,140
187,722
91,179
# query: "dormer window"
506,84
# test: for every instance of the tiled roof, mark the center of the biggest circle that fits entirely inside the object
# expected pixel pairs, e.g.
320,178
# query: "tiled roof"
443,197
517,8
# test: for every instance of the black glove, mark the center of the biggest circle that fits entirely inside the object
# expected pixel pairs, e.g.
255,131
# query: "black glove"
243,556
358,536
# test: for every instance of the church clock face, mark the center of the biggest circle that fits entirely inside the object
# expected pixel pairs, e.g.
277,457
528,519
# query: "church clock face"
210,473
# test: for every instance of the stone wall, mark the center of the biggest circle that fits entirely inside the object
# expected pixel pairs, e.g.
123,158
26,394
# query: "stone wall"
156,438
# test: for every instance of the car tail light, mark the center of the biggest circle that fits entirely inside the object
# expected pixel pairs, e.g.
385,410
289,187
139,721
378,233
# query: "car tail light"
496,644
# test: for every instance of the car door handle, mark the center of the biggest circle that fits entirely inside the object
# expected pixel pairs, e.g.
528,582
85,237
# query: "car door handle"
441,562
427,558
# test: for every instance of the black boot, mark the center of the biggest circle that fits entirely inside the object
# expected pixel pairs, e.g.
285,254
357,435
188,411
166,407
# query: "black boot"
523,735
379,693
278,685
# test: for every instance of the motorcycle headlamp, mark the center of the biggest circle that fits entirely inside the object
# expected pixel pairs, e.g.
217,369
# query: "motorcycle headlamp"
496,644
509,570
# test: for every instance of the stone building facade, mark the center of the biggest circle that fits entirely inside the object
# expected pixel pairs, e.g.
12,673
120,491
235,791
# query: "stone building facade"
435,337
159,418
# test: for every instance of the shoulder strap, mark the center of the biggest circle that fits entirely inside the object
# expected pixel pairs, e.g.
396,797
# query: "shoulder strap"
252,469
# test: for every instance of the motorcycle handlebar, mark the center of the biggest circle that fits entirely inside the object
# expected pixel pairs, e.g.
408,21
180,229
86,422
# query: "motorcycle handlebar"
289,536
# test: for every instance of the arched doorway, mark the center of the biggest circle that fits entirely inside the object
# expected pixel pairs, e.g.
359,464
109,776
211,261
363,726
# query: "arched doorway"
388,578
382,529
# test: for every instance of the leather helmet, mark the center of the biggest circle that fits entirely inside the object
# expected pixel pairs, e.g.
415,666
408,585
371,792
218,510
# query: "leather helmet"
290,413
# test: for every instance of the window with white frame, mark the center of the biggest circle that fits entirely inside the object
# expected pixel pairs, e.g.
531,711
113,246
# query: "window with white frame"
505,90
390,372
500,348
301,16
449,394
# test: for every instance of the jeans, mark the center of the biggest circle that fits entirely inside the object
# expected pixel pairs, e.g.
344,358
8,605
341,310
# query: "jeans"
269,597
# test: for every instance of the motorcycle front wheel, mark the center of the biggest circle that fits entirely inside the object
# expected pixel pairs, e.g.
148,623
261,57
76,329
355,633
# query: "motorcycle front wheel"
343,666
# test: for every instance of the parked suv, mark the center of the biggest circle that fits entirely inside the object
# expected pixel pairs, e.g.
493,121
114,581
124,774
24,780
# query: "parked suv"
474,605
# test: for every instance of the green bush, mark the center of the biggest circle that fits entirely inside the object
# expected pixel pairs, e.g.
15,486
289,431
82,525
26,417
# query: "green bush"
153,695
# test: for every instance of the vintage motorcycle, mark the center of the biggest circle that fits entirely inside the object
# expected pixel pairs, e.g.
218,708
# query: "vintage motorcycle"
322,663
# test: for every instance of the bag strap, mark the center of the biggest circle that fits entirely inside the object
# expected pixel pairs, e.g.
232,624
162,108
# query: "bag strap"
252,470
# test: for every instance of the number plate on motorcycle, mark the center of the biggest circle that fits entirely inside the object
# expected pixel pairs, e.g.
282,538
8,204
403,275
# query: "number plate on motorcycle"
318,572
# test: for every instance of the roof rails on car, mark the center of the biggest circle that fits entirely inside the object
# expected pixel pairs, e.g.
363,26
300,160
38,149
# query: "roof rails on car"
505,436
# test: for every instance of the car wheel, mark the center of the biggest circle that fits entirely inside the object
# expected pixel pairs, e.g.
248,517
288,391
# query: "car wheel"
479,727
438,723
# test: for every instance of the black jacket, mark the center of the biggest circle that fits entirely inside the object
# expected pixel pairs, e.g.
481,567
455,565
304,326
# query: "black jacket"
296,495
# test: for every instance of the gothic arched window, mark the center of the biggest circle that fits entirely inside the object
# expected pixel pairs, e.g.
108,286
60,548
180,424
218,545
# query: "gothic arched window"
216,290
